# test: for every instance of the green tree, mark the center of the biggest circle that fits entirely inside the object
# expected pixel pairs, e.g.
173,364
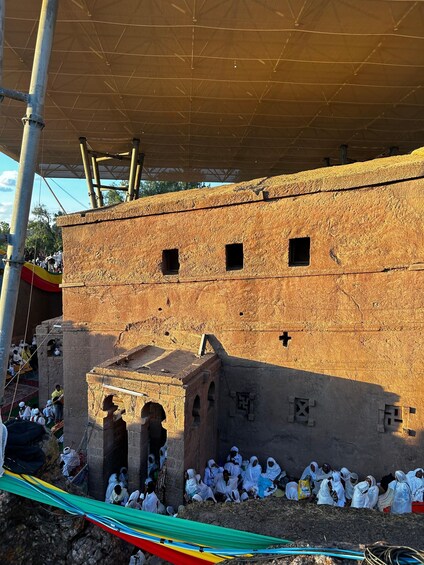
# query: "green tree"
43,235
113,197
149,188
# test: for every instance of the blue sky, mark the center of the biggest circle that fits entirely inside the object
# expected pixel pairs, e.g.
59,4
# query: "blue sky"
72,193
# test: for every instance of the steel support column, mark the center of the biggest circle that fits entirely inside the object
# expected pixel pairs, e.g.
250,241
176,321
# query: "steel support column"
97,182
87,171
133,169
138,174
343,155
33,124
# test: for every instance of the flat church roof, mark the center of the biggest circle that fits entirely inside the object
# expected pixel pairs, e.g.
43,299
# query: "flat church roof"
221,90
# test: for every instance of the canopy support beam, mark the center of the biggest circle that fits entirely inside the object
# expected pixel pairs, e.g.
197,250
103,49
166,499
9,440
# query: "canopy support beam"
133,169
87,171
33,125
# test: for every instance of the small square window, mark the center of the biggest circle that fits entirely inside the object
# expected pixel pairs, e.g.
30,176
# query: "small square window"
170,262
299,251
234,256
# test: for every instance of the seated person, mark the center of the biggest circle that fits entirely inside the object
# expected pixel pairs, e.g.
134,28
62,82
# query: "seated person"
69,461
226,488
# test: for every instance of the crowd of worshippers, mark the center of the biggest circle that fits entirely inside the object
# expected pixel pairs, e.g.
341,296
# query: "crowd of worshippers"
240,480
147,499
51,414
23,357
52,263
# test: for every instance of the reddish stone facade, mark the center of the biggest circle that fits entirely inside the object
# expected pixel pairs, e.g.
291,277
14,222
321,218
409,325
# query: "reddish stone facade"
309,286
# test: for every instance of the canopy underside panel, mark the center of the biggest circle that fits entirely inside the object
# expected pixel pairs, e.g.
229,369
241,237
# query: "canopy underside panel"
221,90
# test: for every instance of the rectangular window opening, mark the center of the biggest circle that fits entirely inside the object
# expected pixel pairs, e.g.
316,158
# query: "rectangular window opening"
393,417
299,252
234,256
170,262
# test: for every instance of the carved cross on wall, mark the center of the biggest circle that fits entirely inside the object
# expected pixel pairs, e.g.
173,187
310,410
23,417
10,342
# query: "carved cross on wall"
285,338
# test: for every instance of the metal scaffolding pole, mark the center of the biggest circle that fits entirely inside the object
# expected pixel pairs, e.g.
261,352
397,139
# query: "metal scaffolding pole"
87,171
138,176
133,169
33,124
96,174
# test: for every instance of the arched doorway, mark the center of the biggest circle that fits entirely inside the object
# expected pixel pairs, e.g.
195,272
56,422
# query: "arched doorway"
115,436
153,434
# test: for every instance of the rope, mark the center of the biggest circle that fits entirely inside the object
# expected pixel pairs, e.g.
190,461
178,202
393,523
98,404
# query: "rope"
392,555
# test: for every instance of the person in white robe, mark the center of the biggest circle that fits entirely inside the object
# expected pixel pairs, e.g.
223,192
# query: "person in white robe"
251,476
163,454
402,496
123,477
203,490
273,469
151,465
350,481
113,480
235,456
191,486
212,471
416,483
133,501
226,488
373,492
69,461
233,468
24,411
292,491
48,412
310,471
324,472
37,418
338,489
151,502
325,495
360,495
119,495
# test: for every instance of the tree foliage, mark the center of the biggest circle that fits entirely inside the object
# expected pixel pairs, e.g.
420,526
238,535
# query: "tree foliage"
44,237
150,188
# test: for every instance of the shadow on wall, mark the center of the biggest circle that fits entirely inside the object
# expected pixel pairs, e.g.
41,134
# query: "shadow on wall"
82,351
118,443
299,416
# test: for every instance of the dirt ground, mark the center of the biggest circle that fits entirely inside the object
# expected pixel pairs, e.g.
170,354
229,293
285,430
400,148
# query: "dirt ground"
307,523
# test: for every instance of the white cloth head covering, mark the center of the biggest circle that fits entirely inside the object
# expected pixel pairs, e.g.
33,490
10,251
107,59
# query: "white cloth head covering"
372,480
191,486
237,458
338,487
133,500
150,503
308,471
273,471
345,473
360,498
252,473
113,480
324,495
402,497
291,491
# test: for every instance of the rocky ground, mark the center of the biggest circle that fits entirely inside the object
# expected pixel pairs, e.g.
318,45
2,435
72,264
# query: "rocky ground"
304,522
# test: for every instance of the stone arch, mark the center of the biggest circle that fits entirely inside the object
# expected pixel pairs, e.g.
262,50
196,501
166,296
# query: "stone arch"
195,412
115,435
153,433
211,395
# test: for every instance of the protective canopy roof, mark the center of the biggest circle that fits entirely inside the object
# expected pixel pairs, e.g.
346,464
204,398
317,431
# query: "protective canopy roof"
221,90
